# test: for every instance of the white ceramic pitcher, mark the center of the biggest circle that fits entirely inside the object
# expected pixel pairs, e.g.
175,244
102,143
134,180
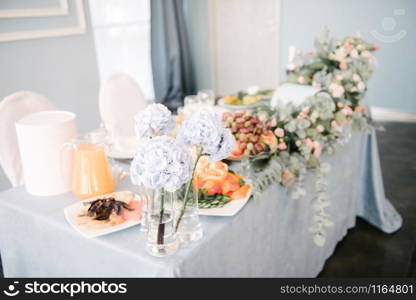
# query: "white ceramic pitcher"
41,137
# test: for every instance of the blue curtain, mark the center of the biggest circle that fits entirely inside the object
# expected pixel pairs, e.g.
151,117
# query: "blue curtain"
171,58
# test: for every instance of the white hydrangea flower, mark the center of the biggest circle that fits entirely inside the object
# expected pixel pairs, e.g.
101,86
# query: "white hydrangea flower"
162,163
156,119
203,129
224,148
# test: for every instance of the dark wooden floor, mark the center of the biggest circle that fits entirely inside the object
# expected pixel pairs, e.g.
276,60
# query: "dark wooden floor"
366,251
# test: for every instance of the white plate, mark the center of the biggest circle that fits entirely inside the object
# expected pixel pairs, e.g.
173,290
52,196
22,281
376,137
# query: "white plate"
229,209
73,210
239,107
117,154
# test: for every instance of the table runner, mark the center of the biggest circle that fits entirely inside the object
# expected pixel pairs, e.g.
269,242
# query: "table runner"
269,237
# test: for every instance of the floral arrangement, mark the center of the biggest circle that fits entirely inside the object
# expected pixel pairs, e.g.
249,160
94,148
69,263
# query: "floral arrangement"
162,163
301,134
155,120
206,133
217,184
341,66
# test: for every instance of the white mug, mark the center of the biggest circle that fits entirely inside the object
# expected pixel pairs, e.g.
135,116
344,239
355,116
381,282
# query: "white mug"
41,137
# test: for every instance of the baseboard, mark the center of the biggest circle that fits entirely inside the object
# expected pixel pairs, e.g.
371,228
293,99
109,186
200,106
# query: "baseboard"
385,114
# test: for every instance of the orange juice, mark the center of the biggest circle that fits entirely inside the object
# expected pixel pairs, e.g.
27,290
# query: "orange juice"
91,174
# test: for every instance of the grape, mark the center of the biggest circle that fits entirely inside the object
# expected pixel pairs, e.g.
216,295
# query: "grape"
254,138
247,129
243,137
244,130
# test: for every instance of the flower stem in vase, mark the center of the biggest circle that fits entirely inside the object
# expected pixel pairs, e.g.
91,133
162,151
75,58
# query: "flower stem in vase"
161,227
188,188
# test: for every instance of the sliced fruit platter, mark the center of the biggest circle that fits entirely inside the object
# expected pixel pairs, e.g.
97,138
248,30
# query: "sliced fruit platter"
221,191
249,99
104,214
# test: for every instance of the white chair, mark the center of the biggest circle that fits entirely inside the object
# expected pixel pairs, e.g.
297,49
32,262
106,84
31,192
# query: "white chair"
121,98
13,108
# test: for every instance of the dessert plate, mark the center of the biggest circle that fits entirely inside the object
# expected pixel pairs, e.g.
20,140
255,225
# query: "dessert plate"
72,212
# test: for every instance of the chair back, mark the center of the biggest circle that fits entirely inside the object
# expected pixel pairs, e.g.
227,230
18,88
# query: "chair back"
121,98
13,108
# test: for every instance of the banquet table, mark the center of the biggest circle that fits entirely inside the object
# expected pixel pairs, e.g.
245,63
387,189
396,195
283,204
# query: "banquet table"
268,237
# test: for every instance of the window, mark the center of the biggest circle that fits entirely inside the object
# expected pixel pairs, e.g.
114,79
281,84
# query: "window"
122,39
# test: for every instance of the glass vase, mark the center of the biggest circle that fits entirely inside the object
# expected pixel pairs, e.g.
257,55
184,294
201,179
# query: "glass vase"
161,236
145,195
188,227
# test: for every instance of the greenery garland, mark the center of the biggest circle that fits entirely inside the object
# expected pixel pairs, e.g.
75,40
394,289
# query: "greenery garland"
321,123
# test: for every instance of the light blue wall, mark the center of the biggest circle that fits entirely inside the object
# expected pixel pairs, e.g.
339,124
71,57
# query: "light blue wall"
64,69
393,84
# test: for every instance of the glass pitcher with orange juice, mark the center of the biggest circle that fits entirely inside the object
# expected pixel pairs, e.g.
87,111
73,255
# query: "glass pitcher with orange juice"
91,171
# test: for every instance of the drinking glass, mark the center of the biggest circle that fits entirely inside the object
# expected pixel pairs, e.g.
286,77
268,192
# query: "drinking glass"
207,97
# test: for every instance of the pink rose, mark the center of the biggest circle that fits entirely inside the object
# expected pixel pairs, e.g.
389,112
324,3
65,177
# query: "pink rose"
343,65
282,146
349,41
309,143
263,117
301,80
317,150
298,143
279,132
348,48
347,110
337,90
